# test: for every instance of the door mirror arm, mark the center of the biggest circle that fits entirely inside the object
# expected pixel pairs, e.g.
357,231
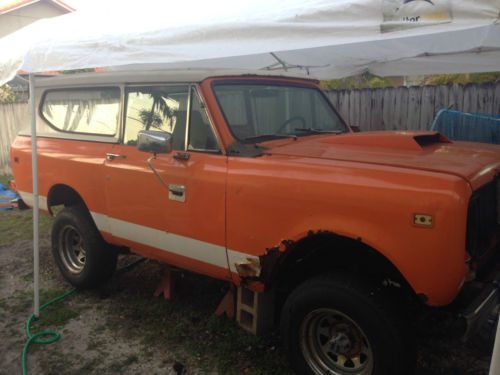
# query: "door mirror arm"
158,176
156,143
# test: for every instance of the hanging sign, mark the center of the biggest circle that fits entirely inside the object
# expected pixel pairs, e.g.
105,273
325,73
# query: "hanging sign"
404,14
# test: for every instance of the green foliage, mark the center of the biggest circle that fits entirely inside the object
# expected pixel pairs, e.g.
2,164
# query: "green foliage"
446,79
7,95
366,80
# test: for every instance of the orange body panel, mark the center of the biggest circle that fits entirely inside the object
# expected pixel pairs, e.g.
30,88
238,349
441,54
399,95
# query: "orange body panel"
363,186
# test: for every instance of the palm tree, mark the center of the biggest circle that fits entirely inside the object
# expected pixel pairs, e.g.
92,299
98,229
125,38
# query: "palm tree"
159,109
150,119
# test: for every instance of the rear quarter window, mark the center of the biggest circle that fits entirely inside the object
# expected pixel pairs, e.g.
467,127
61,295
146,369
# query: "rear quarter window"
84,111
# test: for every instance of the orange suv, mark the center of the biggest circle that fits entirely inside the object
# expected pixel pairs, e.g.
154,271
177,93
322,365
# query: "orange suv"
257,180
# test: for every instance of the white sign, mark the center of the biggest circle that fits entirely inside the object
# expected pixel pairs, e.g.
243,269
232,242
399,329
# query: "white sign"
402,14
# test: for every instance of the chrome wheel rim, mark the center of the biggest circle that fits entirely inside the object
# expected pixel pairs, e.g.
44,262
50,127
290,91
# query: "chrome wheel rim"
71,249
333,344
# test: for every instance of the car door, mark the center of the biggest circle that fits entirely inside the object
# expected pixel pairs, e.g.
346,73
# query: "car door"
170,207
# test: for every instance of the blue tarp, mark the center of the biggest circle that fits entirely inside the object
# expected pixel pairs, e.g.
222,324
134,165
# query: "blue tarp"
7,197
462,126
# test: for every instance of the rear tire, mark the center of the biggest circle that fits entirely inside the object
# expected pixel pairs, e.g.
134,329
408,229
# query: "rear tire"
334,325
83,257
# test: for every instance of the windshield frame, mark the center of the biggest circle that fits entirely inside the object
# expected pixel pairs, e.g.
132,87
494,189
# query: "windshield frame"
274,82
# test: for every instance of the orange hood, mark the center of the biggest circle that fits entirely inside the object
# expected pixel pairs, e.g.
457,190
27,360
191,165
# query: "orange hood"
430,151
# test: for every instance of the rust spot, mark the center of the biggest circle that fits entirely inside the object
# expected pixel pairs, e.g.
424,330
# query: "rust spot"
269,260
260,270
249,268
284,245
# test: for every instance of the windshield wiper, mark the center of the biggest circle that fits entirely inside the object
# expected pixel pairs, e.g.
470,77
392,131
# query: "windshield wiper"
318,131
267,137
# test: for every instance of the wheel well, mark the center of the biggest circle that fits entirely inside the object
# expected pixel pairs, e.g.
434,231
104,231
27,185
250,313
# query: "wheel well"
326,252
61,194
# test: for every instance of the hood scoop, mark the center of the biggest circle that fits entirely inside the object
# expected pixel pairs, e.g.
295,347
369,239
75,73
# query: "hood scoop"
412,141
426,140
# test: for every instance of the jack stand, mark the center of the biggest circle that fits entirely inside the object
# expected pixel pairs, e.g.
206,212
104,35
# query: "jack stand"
226,305
166,285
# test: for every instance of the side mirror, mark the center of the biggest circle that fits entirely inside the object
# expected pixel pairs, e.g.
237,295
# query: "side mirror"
355,129
154,141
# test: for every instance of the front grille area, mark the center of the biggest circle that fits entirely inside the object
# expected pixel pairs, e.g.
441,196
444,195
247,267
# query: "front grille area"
482,219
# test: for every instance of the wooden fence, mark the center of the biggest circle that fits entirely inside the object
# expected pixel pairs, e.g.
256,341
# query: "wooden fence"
412,108
12,117
399,108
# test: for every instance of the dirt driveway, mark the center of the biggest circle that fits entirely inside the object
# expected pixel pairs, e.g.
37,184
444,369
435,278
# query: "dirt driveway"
122,329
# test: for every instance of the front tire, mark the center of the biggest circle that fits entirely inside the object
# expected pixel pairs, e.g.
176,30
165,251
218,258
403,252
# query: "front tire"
334,325
82,256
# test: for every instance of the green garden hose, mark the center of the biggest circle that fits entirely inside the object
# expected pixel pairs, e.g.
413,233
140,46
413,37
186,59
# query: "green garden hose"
51,336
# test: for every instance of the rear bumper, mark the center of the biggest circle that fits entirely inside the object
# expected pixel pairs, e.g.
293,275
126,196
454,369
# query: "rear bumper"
481,308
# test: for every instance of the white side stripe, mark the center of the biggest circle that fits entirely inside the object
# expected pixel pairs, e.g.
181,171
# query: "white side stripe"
188,247
28,199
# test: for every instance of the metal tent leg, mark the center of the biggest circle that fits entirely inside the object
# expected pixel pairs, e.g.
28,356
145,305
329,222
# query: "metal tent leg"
34,168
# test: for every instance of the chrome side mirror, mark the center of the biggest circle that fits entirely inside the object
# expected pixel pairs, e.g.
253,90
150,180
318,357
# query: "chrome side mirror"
154,141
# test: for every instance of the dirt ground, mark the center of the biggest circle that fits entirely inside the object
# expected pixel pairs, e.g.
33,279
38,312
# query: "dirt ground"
122,329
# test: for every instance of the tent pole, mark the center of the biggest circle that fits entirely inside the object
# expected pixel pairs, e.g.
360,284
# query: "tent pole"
495,357
34,164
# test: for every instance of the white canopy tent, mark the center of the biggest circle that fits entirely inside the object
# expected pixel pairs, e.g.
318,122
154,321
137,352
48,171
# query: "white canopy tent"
328,39
324,39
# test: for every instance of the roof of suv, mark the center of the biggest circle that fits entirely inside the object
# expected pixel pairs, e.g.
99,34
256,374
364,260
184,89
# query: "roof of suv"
152,76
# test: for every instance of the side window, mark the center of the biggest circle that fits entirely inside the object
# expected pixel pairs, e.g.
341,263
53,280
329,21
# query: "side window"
87,111
160,108
201,135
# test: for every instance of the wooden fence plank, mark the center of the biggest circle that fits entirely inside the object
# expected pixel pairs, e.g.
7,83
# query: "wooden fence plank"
485,97
343,107
427,107
401,106
442,97
496,101
366,110
388,109
377,110
470,98
414,104
456,97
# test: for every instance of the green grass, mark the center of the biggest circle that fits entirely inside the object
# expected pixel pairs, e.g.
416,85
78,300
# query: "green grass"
17,225
188,326
55,317
22,301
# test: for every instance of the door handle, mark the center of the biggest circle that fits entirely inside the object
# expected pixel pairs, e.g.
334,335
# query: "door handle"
177,192
183,156
110,157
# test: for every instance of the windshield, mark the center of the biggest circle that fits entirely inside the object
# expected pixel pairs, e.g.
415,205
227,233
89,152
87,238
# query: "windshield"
257,112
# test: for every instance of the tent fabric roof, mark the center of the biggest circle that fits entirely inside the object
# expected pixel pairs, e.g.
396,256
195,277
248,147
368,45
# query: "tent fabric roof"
320,38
